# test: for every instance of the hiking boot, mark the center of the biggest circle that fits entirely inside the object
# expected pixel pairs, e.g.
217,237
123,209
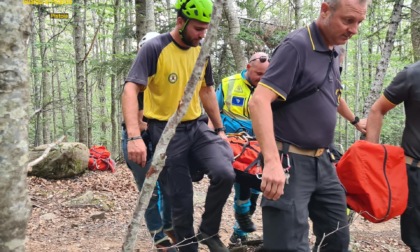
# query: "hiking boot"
213,242
165,246
236,239
245,222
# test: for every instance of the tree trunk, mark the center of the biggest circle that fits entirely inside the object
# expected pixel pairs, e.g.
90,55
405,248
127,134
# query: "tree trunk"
150,16
88,86
298,14
78,25
377,84
238,50
140,19
415,28
115,78
35,83
169,131
14,106
46,83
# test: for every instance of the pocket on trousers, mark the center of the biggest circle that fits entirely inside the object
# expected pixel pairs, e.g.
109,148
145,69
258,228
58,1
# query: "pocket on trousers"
283,204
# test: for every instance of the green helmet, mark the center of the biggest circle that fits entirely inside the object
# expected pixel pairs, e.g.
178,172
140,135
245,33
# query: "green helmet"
196,9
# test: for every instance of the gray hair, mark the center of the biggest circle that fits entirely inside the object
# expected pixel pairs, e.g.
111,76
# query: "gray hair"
335,3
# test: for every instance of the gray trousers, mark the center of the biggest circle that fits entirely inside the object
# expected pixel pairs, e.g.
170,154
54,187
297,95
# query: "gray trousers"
195,141
313,191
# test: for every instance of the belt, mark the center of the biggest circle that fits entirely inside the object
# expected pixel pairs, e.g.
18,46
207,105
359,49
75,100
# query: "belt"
150,121
411,161
306,152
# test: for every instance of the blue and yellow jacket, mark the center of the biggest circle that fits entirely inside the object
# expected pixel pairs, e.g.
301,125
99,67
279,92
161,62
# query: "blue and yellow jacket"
233,96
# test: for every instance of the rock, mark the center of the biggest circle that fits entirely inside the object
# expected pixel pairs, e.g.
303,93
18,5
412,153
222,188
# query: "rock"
89,199
98,216
48,216
63,161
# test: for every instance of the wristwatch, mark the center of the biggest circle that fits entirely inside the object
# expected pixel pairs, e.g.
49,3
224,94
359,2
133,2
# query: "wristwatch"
217,130
356,120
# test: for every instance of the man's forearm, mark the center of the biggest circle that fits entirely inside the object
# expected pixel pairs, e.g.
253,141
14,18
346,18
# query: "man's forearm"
130,109
208,98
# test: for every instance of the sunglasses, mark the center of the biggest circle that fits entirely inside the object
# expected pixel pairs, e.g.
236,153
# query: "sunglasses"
262,59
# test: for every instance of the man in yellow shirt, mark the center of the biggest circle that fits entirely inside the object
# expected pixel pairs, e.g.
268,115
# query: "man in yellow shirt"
162,69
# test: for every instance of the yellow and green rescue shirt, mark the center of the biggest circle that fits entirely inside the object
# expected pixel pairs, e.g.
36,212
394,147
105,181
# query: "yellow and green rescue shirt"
165,68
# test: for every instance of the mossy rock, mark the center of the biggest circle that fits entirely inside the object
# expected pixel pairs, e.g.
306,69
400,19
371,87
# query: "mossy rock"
65,160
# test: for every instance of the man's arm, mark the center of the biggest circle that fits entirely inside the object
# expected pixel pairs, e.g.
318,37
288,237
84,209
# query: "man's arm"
136,148
375,118
273,178
344,110
208,98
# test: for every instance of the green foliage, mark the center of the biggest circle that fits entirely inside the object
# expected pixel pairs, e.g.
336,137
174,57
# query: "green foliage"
263,26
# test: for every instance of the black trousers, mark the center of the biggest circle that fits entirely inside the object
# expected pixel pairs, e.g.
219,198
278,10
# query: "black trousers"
194,140
313,191
410,219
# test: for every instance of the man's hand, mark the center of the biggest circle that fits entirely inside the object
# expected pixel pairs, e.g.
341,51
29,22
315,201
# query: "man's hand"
273,179
361,125
137,151
222,134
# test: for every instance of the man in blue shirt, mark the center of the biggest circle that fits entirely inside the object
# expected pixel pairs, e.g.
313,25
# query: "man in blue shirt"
233,96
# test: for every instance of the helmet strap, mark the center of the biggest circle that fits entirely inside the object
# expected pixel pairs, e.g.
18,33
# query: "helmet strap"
182,32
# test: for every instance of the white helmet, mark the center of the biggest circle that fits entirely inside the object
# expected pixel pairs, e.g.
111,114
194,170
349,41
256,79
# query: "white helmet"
146,37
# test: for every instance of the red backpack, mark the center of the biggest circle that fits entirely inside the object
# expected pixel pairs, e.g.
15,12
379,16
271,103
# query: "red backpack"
247,159
100,159
375,179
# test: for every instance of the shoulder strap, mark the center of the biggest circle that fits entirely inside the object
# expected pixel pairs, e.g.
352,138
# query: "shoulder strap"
277,104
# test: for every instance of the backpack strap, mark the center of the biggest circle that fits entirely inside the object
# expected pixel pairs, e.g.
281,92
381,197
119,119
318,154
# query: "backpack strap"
256,162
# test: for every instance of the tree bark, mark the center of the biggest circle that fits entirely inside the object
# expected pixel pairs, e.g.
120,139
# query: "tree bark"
14,104
114,77
377,84
35,83
150,16
140,19
298,13
80,73
415,28
46,84
238,50
159,156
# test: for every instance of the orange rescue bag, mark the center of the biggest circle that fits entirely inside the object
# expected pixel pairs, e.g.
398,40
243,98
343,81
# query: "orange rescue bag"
375,179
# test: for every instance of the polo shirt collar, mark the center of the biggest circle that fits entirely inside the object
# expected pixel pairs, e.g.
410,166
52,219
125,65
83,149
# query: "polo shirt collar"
315,37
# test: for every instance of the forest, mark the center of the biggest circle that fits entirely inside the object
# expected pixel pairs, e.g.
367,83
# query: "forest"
78,64
75,56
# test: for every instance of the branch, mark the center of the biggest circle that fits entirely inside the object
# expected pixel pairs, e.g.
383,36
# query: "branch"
46,151
326,235
159,156
93,40
408,7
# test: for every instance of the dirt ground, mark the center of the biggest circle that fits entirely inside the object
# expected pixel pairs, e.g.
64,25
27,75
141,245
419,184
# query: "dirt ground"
60,223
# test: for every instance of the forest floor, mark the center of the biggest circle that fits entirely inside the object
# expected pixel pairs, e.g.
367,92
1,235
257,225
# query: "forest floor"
59,223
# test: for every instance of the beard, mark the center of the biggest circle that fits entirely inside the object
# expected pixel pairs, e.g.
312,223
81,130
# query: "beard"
188,40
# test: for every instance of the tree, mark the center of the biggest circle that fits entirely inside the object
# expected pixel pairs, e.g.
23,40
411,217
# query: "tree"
79,49
415,28
236,47
45,78
14,103
376,87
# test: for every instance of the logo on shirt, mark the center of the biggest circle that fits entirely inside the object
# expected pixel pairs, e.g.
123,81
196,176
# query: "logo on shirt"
238,101
239,89
338,94
172,78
